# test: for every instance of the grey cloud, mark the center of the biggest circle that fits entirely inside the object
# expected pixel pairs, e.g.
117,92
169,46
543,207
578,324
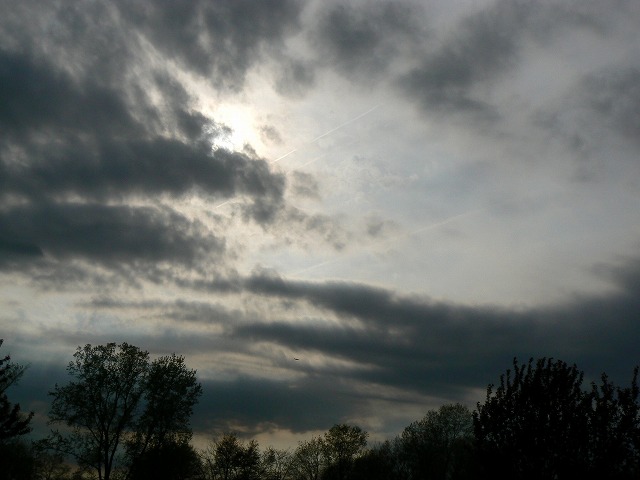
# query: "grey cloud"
294,77
68,138
441,348
82,140
325,227
270,134
364,39
220,40
484,47
260,404
112,168
37,97
305,185
614,96
599,111
104,233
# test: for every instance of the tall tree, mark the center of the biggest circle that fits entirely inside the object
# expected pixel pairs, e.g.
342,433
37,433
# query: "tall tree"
439,445
173,460
228,458
343,444
113,398
170,390
308,459
277,464
614,429
13,422
540,423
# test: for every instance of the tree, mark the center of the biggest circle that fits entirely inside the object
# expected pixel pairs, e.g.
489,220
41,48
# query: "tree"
439,445
308,459
113,402
614,429
540,423
228,458
342,445
13,422
170,392
377,463
276,464
172,460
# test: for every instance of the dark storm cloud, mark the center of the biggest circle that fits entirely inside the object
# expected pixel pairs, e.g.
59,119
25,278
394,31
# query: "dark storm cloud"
73,145
102,233
81,139
442,348
35,97
220,40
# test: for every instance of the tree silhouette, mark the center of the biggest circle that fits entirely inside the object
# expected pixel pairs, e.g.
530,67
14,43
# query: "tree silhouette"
342,445
614,433
308,459
540,423
440,445
117,395
228,458
13,422
171,460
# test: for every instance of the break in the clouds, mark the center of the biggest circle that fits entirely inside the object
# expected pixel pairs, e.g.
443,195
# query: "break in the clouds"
401,195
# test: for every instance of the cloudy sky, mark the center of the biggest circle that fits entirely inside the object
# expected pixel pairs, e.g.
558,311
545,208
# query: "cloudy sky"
402,195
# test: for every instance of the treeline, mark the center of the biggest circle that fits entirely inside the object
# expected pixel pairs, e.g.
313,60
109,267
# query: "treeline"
124,416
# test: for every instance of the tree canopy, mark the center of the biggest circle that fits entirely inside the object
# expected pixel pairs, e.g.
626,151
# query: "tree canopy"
540,423
121,405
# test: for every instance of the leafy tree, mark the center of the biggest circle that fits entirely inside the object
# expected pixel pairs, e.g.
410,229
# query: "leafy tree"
440,445
172,460
49,465
377,463
342,445
170,392
113,402
614,429
13,422
228,458
16,460
276,464
308,459
540,423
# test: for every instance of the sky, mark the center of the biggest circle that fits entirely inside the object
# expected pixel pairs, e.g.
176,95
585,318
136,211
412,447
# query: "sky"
403,196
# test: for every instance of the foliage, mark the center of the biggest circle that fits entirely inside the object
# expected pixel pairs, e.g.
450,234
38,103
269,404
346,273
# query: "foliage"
114,401
308,459
440,445
276,464
13,422
170,392
168,461
377,463
540,423
228,458
16,460
342,445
